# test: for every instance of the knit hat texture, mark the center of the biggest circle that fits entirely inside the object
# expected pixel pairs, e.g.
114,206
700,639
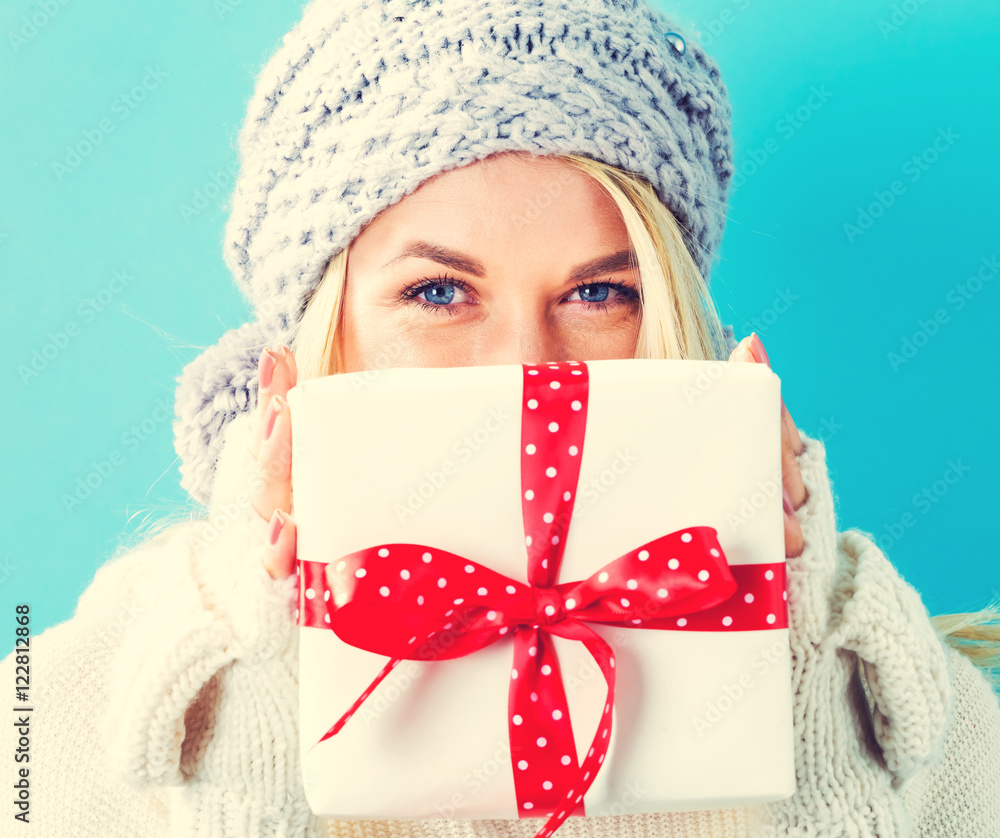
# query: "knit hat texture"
364,100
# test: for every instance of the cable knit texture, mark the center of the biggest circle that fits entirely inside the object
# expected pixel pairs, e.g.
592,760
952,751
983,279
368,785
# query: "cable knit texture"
364,100
168,705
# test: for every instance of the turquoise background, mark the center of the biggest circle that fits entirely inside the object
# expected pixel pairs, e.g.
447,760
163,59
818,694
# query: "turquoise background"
832,104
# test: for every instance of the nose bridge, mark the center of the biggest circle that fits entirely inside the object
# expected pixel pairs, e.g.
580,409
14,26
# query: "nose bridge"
523,334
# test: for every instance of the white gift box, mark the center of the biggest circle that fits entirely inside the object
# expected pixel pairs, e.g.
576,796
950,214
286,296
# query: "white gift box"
432,456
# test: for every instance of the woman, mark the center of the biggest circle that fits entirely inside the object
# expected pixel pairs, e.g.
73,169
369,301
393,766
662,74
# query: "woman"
420,183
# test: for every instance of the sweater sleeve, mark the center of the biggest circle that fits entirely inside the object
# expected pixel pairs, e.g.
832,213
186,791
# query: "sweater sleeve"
960,794
204,691
854,619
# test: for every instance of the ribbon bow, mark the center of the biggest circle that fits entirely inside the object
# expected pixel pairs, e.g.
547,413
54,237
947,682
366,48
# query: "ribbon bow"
406,600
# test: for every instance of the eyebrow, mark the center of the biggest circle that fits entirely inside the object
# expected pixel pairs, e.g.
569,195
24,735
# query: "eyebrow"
623,260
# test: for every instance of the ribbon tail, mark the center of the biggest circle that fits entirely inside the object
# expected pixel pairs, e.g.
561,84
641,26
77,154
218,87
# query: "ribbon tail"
604,655
393,662
543,765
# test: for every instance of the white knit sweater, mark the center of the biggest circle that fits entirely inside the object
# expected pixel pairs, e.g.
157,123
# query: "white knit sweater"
168,705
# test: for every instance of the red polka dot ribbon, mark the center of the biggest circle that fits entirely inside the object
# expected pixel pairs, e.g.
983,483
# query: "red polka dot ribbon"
416,602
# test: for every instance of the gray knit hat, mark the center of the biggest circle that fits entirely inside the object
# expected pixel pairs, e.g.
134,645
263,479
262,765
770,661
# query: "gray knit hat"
364,100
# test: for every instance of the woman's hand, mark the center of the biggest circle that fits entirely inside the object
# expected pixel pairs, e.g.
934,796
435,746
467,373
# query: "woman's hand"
751,349
271,446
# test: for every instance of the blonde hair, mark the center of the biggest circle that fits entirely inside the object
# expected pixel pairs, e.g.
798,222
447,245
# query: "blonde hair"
679,317
976,635
679,320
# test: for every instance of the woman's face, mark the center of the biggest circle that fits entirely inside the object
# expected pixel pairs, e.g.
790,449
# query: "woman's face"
505,261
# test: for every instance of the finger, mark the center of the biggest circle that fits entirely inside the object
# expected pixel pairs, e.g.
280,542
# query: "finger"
285,371
266,363
276,374
273,487
292,365
788,425
794,543
791,474
279,554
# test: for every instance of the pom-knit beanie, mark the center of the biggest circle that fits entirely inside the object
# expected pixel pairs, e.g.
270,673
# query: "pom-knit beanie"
364,100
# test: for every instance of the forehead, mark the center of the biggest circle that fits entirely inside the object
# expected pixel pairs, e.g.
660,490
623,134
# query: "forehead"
505,198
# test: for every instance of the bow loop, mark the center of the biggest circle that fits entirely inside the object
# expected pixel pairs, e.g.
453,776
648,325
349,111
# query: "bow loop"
679,573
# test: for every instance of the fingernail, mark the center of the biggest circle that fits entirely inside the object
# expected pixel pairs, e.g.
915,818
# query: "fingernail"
277,522
265,368
272,414
786,501
757,350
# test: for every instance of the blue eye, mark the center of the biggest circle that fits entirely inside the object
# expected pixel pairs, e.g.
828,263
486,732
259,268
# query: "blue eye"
435,294
444,294
588,296
438,294
596,294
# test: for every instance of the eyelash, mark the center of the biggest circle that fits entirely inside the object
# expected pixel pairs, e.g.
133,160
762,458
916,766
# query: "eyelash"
411,292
